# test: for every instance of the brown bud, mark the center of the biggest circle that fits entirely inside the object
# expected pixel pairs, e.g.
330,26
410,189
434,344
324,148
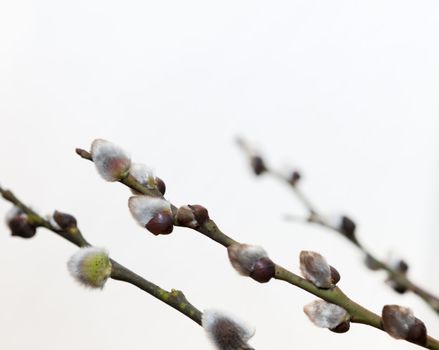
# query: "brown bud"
20,227
402,266
200,213
64,221
258,165
294,178
335,275
418,333
400,323
347,228
398,288
161,224
185,217
372,263
252,261
263,270
161,186
341,328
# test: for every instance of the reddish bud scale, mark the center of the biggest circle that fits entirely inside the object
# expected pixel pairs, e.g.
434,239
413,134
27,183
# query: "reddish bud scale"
258,165
20,227
341,328
161,224
418,333
64,221
161,186
335,275
200,213
263,270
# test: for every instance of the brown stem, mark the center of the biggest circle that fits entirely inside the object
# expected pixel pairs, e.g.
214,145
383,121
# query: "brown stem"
314,216
358,313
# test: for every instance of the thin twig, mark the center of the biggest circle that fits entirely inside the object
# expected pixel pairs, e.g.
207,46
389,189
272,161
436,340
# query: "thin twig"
316,217
334,295
175,298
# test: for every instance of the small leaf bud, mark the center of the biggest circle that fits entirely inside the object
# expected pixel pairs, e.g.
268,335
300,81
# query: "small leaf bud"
372,263
294,178
90,266
185,217
111,161
192,216
252,261
345,225
64,221
200,213
19,225
418,333
225,331
152,213
399,266
348,227
315,269
258,165
400,323
327,315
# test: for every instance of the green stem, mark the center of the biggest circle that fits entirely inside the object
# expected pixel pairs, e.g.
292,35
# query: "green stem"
314,216
333,295
358,313
174,298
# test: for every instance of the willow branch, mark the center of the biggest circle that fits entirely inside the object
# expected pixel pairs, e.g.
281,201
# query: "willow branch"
316,217
175,298
334,295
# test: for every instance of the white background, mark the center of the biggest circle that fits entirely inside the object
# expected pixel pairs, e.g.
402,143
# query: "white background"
345,90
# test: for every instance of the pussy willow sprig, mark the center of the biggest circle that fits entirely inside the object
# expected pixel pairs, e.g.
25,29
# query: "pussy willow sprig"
397,273
91,266
175,298
253,261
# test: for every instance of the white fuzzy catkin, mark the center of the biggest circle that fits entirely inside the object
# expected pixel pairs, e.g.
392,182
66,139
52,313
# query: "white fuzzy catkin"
315,269
143,174
243,257
324,314
90,266
111,161
13,213
144,208
225,331
398,320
